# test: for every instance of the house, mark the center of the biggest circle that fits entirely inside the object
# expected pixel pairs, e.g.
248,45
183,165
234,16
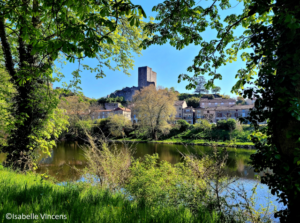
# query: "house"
207,113
126,112
215,114
234,112
101,114
204,102
112,105
188,114
179,105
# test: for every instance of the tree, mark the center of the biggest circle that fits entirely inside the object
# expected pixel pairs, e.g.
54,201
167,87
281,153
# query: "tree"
35,33
240,101
183,125
118,123
272,31
216,90
7,92
74,106
203,125
200,82
193,101
154,109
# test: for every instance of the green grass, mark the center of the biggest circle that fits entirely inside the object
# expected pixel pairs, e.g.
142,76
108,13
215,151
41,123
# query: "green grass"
30,193
187,141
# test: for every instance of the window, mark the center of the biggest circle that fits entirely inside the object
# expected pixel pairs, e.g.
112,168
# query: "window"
207,111
209,103
187,110
243,114
202,103
134,116
222,103
216,103
179,115
219,114
179,108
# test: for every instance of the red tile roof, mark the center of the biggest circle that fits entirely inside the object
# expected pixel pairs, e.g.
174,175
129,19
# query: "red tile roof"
123,109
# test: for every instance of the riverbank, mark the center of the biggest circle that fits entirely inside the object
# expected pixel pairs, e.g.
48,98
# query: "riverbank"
37,198
245,145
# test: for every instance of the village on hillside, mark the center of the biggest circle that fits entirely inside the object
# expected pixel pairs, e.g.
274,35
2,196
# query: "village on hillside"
212,107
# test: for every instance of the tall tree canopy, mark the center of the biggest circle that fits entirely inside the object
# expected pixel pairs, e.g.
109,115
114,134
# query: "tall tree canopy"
200,86
155,109
33,34
272,31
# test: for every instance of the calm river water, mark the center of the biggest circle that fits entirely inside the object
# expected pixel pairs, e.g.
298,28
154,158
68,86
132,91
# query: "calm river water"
67,155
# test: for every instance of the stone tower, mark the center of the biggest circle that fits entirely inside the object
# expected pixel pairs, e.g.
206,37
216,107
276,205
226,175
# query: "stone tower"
146,77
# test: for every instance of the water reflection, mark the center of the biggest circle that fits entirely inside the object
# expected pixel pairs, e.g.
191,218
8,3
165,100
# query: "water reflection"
67,156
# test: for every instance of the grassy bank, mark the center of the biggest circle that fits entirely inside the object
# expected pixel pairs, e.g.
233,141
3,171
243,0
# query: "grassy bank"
189,141
30,193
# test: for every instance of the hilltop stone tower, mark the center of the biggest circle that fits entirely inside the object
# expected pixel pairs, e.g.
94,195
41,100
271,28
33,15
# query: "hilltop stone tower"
146,77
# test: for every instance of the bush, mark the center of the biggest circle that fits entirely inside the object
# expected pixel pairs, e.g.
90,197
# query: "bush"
183,125
228,125
203,125
193,101
161,183
241,136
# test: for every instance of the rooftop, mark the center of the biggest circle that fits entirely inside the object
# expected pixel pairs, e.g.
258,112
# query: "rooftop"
177,103
123,109
224,108
217,100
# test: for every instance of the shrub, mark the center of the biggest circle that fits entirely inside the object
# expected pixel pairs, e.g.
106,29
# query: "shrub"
193,101
153,183
109,164
203,125
183,125
229,124
117,125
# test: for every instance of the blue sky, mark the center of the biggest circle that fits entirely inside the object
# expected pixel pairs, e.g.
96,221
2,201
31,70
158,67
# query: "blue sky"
165,60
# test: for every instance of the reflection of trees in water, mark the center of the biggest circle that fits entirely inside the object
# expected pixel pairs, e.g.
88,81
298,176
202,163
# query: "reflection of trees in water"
67,155
63,158
62,173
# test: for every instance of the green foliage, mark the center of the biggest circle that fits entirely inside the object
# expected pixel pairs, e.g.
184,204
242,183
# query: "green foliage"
154,184
240,101
118,123
216,90
183,125
49,29
229,124
185,96
271,29
102,127
111,99
203,125
7,91
25,193
193,101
